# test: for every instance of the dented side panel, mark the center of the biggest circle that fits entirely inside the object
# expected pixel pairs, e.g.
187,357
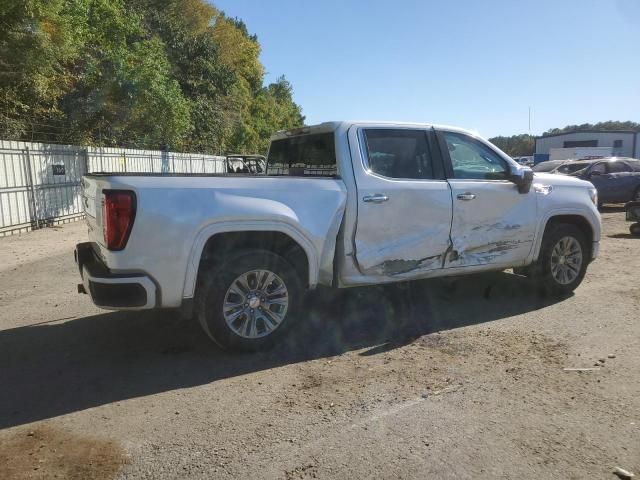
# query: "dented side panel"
497,226
405,236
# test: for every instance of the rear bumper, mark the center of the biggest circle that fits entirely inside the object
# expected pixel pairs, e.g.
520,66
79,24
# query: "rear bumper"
111,291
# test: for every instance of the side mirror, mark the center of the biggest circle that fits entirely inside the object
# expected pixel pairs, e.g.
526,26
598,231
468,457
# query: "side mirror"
522,177
595,173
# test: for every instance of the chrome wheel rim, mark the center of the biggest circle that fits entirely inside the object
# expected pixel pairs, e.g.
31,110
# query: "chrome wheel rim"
255,304
566,260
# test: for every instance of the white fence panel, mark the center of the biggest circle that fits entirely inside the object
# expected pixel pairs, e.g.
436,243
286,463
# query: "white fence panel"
40,183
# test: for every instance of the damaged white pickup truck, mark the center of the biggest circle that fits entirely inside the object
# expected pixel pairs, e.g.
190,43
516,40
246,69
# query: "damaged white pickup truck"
342,204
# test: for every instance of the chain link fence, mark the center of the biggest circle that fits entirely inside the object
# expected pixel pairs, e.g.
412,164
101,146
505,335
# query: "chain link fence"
40,183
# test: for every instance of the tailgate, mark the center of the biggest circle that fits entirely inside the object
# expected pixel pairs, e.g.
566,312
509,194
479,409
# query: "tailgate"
92,205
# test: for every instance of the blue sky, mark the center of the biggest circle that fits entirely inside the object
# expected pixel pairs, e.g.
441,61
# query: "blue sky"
471,63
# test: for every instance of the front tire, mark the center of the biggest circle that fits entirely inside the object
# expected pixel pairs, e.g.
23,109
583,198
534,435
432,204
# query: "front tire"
562,263
249,302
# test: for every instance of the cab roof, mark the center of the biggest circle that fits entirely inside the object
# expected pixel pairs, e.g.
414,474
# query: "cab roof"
332,126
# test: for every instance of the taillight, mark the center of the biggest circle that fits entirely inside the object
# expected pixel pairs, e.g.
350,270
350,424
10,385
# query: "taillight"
118,213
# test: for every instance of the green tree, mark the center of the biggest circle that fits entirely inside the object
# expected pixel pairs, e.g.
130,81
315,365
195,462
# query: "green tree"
608,125
516,145
136,72
38,37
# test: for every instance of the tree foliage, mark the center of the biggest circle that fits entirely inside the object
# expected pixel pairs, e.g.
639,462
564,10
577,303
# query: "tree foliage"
608,125
516,145
136,72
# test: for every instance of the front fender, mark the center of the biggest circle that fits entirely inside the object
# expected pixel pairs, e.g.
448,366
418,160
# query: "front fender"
590,215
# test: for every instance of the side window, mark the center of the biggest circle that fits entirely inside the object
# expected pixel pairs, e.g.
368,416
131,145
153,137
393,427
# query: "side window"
618,167
398,153
472,159
599,167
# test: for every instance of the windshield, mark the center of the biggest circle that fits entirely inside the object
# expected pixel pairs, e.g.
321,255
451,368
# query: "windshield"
546,166
569,168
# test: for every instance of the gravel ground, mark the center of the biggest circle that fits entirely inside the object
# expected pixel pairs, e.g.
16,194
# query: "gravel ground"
450,378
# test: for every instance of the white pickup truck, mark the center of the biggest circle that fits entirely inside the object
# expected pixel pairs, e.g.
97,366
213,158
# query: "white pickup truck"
342,204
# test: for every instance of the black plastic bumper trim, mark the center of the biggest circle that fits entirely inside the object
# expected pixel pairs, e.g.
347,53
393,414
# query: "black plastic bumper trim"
120,294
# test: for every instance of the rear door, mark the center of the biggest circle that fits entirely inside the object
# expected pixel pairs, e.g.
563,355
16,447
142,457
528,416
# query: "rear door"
492,222
404,202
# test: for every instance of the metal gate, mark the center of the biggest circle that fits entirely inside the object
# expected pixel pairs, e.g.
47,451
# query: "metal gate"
39,185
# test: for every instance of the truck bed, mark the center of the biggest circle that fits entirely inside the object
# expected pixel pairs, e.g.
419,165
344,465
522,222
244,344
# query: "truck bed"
176,214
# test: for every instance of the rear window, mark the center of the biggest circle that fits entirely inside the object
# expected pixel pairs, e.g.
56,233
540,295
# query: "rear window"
303,155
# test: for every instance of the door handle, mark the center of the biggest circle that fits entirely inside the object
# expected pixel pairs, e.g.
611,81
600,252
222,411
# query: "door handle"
377,198
466,196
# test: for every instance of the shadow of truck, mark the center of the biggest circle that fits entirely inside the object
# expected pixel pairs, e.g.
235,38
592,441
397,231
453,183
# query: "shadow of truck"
48,370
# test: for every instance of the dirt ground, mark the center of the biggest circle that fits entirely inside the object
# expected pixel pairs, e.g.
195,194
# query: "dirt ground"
450,378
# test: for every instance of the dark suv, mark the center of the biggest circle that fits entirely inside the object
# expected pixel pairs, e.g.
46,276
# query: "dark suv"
617,179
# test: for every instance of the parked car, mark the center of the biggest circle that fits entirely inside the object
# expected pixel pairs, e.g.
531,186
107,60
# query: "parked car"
617,179
240,163
343,204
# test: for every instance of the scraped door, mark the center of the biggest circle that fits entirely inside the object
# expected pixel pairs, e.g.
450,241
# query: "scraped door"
404,208
492,222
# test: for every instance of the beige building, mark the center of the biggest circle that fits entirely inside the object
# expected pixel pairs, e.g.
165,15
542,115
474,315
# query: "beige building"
620,143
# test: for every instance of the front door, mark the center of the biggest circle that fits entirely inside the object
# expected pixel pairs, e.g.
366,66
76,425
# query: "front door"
599,177
404,202
492,222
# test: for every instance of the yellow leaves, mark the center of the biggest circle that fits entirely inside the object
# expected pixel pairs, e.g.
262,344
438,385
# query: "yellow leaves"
196,14
50,29
238,52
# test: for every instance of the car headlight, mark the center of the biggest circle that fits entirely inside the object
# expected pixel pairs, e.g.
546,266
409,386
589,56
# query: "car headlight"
593,194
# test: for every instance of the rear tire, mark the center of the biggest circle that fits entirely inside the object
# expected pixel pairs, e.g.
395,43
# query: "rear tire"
635,229
563,259
249,302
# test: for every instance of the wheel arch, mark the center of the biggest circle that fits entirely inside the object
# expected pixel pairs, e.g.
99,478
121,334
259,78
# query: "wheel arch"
572,218
215,241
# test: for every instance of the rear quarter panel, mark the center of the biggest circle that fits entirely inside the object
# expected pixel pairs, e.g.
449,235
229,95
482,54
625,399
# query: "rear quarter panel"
177,215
